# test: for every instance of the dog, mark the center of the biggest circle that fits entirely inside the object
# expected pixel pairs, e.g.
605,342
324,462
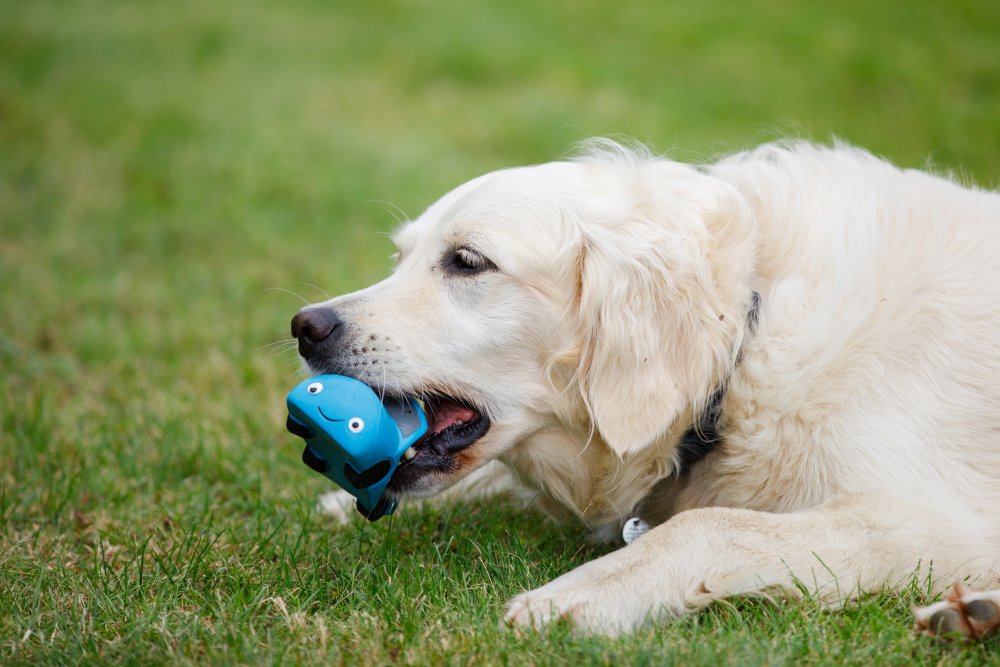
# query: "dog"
786,363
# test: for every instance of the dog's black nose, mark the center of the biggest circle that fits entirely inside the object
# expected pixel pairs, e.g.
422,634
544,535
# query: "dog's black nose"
316,329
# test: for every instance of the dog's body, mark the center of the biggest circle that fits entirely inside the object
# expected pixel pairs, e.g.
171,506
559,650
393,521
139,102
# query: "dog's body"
836,319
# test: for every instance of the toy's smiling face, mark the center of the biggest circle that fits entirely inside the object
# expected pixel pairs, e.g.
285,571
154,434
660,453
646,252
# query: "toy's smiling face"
326,408
349,413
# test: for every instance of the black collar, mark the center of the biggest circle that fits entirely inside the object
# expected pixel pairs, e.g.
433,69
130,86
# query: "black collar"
704,436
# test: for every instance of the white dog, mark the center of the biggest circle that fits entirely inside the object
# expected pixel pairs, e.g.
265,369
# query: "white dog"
787,363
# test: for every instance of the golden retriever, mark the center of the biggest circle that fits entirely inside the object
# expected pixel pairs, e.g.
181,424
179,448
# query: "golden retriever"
787,363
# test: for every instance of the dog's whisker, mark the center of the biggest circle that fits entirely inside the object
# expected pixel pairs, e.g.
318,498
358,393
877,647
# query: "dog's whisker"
289,354
288,291
278,348
318,289
392,209
278,343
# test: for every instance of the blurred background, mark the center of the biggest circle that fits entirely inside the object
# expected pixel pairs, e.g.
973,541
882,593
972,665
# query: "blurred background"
177,178
163,165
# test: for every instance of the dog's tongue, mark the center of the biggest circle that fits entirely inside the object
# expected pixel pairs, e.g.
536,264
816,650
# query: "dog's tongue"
448,413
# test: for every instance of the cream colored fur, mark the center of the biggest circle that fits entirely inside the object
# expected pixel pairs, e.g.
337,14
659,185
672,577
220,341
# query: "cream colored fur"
861,419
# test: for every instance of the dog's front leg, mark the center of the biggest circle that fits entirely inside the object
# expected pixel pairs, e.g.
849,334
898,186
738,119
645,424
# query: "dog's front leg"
855,544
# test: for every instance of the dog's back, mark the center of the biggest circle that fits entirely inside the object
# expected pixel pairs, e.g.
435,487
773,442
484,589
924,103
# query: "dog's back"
877,361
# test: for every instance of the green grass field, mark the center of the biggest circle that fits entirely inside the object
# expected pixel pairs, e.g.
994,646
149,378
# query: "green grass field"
174,175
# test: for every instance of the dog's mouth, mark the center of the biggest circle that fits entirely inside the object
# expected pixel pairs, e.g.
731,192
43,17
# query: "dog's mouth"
452,426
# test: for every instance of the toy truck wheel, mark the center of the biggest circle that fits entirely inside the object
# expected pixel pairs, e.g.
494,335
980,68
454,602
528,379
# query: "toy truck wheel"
316,463
377,512
295,428
365,478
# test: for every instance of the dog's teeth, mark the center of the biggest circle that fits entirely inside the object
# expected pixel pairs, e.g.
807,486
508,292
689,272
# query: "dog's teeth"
409,453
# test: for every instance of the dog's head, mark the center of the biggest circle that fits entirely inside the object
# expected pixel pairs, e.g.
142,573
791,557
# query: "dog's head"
564,317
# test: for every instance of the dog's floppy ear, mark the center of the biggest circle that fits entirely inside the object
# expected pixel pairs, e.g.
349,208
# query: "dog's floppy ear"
662,297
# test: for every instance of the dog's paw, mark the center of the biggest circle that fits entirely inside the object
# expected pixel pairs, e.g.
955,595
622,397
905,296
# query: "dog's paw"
585,598
338,504
961,615
538,608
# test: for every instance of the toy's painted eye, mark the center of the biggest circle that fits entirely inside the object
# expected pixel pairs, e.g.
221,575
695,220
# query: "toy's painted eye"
315,388
355,425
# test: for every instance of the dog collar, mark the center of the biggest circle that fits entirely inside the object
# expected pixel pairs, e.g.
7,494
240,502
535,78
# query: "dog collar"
704,436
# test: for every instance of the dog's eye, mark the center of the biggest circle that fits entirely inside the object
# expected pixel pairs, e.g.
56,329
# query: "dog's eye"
466,260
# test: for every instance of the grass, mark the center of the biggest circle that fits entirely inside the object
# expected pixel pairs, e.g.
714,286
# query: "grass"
170,174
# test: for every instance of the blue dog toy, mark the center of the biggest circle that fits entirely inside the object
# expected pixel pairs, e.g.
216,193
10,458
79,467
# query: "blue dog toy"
354,437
